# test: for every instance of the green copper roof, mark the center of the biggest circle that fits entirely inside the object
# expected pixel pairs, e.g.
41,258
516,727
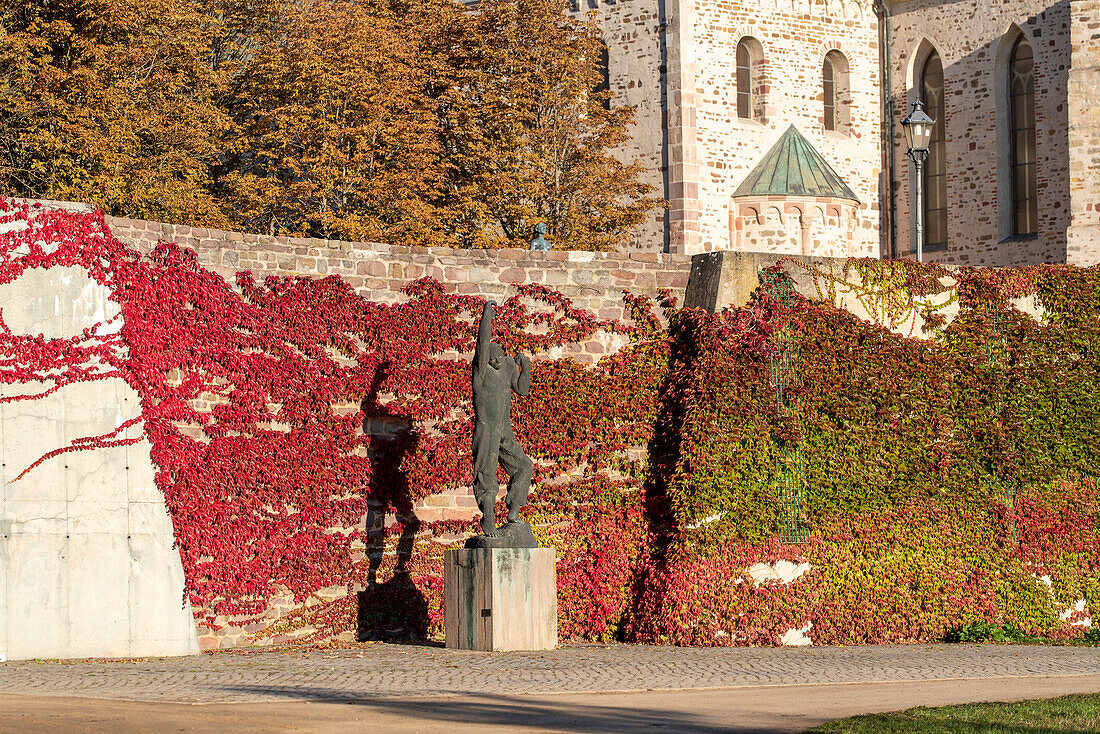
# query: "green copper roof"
793,167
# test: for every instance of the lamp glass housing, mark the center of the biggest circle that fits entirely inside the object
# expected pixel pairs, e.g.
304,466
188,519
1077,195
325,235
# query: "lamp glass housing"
918,128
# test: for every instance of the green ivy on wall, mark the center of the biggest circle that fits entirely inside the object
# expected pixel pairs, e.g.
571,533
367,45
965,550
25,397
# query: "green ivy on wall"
929,482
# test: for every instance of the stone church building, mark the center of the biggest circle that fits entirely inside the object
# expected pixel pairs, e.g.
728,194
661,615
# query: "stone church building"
774,125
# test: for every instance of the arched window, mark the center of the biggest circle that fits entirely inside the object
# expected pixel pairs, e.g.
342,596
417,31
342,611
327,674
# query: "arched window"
935,169
744,81
604,65
750,102
1021,110
836,92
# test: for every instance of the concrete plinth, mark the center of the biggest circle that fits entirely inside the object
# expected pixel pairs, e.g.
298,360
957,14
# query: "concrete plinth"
725,278
500,599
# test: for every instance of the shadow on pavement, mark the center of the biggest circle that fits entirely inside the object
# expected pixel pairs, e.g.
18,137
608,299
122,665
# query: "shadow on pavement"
519,712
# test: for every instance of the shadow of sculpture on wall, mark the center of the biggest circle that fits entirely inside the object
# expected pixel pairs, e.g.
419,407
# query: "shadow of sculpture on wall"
393,609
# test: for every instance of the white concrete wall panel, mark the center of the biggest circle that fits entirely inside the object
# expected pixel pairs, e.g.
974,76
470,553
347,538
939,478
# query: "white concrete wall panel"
88,566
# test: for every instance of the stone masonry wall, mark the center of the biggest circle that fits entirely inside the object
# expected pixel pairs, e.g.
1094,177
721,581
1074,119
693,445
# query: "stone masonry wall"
795,36
973,38
1083,237
821,226
632,33
689,132
592,280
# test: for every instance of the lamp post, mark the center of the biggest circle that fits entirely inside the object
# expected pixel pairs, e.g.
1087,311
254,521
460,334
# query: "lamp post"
918,133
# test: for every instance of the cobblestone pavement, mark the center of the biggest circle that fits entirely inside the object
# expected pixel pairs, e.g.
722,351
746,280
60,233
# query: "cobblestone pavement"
378,671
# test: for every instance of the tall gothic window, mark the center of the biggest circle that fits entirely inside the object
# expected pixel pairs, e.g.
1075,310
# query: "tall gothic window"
935,176
750,103
1021,98
835,92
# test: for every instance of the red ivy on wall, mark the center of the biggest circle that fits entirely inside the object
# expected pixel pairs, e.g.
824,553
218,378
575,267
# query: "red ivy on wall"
255,399
940,478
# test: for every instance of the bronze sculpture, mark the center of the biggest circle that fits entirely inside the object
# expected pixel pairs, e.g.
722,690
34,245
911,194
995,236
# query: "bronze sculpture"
495,377
538,242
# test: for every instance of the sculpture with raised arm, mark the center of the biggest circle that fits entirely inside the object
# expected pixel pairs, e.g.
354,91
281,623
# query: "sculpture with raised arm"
495,377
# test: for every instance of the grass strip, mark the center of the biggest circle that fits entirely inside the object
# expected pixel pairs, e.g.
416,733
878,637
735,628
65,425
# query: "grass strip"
1077,714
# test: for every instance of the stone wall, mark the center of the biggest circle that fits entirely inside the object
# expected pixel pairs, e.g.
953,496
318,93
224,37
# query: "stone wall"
632,32
973,40
794,37
1083,237
823,226
687,131
690,139
594,281
95,508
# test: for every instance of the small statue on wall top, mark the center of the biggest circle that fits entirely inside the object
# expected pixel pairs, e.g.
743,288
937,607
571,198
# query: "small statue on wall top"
495,377
538,242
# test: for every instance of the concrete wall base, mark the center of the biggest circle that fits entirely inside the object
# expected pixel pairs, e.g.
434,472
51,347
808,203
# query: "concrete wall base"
88,566
726,278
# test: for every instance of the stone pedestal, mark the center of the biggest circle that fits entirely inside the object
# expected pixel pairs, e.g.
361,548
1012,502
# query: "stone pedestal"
500,599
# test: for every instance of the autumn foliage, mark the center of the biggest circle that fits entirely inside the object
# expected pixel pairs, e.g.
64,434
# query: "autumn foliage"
937,482
942,482
256,398
113,103
411,122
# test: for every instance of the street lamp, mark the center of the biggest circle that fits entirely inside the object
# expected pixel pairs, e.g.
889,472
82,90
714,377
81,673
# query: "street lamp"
918,133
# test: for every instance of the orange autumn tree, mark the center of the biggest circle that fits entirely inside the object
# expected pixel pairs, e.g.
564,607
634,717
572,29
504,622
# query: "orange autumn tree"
530,133
111,102
337,135
408,121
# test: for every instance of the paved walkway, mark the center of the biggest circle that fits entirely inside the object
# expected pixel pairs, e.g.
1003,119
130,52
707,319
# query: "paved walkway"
381,670
579,688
